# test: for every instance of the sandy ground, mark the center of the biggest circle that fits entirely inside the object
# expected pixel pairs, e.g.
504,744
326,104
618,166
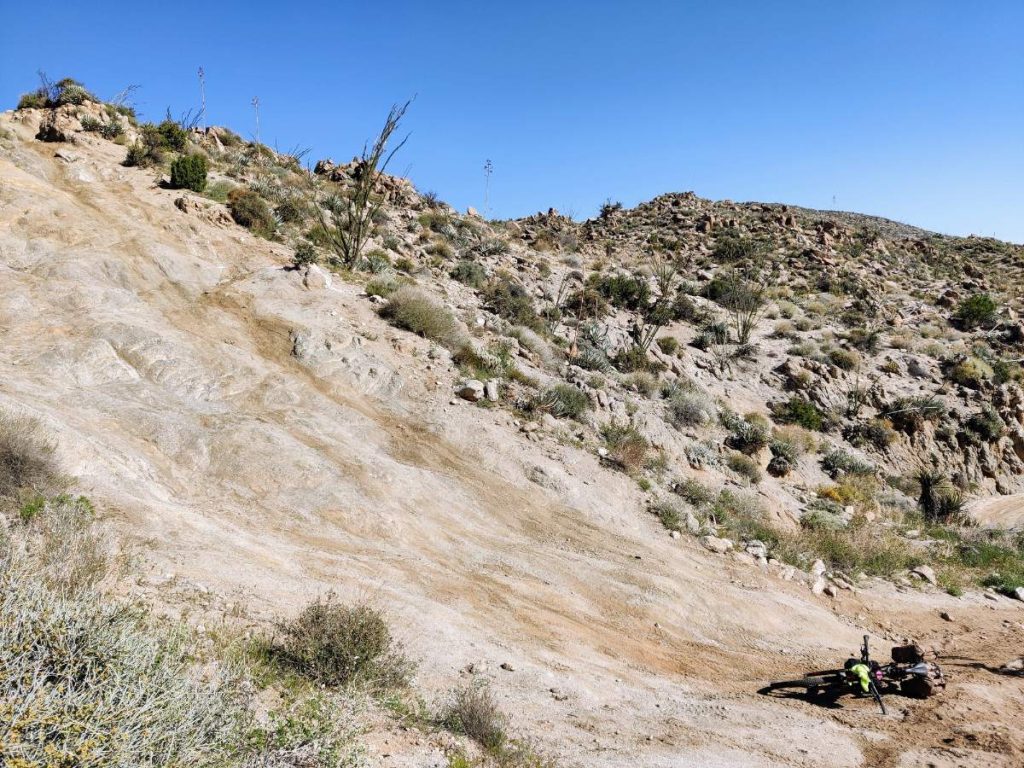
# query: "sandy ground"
256,443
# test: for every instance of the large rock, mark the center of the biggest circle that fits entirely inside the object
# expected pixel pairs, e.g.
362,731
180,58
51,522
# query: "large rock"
925,572
315,278
472,390
715,544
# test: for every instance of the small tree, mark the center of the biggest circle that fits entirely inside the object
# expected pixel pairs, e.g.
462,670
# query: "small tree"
189,172
347,218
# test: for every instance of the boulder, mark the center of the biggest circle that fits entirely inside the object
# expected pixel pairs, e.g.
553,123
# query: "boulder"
925,572
491,390
471,390
818,568
715,544
315,278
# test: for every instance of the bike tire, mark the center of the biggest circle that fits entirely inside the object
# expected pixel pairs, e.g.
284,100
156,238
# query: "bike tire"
803,682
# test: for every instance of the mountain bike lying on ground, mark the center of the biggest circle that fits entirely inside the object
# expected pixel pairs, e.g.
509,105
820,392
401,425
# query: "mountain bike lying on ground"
907,674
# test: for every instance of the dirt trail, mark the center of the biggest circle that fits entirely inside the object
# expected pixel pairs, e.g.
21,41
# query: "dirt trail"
162,347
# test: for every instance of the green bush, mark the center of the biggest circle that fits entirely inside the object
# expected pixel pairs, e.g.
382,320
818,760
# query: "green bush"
986,424
972,373
844,359
635,358
623,291
34,100
838,463
510,300
668,344
977,310
251,211
563,401
694,492
670,514
342,645
744,466
748,435
800,411
877,433
414,310
305,254
189,172
909,414
470,273
172,135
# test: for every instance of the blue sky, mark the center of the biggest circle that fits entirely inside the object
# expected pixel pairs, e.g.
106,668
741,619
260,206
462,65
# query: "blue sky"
911,110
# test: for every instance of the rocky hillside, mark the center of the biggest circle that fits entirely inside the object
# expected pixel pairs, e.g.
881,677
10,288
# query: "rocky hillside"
621,471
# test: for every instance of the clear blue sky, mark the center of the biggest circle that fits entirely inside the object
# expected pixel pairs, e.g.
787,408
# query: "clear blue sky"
911,110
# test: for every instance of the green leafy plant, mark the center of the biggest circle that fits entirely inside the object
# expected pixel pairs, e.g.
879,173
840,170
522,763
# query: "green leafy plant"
189,172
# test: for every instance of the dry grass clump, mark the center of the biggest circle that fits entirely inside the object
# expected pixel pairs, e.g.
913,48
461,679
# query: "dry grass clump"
690,409
27,463
417,311
342,645
91,683
627,448
474,712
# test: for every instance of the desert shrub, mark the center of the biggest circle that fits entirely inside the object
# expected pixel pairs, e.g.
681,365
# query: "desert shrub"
414,310
909,414
469,273
670,513
668,344
627,448
532,341
694,492
741,515
972,372
986,424
937,499
800,411
304,255
838,463
189,172
609,208
690,409
744,466
844,359
635,358
91,683
858,547
711,335
684,308
383,285
730,249
218,190
59,536
172,135
474,712
251,211
563,401
341,645
90,124
747,435
292,209
508,299
877,433
377,261
977,310
33,100
27,463
623,291
642,382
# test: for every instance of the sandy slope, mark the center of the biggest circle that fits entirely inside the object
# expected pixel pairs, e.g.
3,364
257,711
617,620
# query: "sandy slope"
268,442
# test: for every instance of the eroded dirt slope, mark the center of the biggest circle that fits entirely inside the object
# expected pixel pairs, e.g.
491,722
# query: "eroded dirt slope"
263,442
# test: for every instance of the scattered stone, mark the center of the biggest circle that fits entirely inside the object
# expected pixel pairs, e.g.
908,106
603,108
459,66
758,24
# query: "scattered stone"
315,278
715,544
831,591
507,667
674,534
1018,593
471,390
558,695
818,568
757,549
925,572
1013,667
944,615
491,390
819,585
